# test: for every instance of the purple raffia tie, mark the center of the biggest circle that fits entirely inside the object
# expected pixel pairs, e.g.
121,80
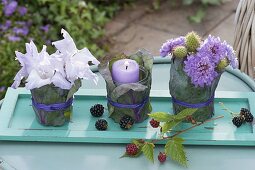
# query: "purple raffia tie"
130,106
53,107
195,105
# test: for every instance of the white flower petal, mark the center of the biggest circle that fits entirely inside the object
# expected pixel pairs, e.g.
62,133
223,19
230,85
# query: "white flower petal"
59,81
20,57
33,49
86,54
57,61
19,76
89,75
35,81
67,45
71,72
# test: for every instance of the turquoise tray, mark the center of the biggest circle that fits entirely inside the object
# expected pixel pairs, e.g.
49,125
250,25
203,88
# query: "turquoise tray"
18,122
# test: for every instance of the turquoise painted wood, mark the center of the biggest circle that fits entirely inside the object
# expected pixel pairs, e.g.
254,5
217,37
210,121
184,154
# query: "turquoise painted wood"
18,122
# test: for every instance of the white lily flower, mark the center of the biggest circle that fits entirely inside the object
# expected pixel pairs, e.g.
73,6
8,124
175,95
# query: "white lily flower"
35,81
61,68
76,61
36,66
59,81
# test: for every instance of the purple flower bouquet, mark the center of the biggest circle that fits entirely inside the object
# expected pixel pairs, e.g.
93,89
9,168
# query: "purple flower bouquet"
53,79
195,71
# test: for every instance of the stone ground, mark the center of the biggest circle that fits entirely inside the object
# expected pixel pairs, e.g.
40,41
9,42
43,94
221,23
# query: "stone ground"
137,27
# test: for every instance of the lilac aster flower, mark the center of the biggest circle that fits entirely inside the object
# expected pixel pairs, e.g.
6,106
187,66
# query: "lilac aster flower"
2,88
22,31
14,38
22,23
200,69
4,2
230,54
45,28
5,26
168,46
22,10
10,8
214,49
218,50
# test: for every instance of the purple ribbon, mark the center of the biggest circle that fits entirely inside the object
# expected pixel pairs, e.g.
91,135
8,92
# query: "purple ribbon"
130,106
195,105
53,107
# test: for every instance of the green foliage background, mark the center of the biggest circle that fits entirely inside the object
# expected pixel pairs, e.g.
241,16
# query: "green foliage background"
84,20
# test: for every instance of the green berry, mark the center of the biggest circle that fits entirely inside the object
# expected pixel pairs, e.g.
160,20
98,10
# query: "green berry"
222,64
180,51
192,41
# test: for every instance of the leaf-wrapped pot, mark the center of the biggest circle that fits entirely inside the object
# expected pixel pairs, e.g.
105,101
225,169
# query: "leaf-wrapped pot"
183,93
130,99
53,105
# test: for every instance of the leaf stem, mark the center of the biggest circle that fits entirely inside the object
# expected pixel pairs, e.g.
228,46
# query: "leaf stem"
187,129
227,109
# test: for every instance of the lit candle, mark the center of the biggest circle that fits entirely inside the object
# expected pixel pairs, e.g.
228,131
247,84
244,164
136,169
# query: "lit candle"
125,71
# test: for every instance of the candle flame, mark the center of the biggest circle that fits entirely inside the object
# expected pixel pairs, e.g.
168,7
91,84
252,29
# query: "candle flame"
126,63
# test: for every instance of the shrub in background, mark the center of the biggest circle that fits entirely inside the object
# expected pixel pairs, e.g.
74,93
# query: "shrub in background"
41,20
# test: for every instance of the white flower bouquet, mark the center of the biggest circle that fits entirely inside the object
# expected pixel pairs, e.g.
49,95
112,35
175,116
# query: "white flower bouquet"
53,79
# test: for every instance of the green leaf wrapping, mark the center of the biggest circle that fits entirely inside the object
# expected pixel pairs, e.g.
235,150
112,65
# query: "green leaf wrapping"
184,113
182,89
132,93
148,151
175,150
49,94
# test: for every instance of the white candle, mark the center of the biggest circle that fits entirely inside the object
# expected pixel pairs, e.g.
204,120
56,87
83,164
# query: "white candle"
125,71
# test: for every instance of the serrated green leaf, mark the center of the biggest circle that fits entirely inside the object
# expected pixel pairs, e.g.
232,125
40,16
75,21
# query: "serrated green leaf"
148,151
169,125
161,116
175,150
138,143
184,113
165,117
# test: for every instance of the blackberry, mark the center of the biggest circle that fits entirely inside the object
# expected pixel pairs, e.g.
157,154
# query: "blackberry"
237,121
131,149
126,122
101,124
154,123
97,110
248,117
162,157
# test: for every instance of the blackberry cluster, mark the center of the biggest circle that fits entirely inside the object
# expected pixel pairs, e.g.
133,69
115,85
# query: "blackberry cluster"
131,149
126,122
162,157
245,116
237,121
101,124
154,123
97,110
